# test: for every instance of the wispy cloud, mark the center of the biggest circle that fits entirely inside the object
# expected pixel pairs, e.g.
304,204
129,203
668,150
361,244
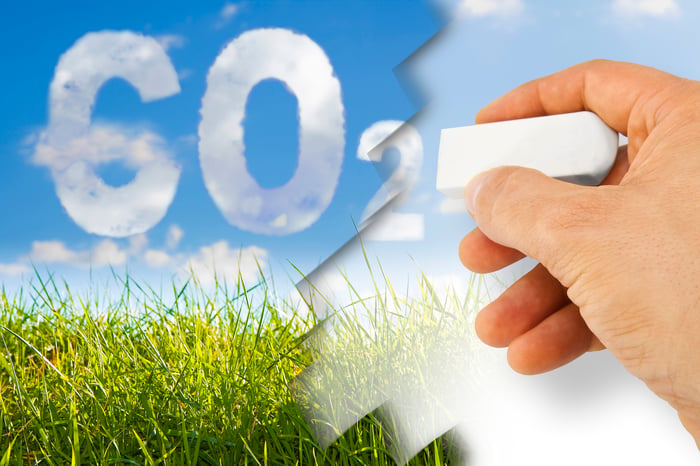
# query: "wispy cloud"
480,8
171,41
98,207
13,270
655,8
158,259
187,140
220,262
172,239
104,144
214,262
228,11
161,258
106,252
137,243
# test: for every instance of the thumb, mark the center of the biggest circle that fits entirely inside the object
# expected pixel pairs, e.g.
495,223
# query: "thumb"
544,218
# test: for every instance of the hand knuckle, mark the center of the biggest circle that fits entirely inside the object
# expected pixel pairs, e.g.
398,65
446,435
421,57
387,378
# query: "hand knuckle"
582,211
507,185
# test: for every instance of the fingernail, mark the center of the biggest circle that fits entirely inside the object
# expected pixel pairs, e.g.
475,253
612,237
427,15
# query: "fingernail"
472,191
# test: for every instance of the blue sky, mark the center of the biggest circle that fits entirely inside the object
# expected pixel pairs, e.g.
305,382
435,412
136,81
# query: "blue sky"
487,47
362,41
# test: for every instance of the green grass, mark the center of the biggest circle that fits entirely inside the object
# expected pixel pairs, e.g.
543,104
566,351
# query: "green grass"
200,379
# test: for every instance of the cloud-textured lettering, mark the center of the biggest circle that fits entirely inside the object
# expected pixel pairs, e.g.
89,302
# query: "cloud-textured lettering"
304,68
73,148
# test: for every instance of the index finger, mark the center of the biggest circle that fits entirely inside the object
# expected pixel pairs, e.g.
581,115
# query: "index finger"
626,96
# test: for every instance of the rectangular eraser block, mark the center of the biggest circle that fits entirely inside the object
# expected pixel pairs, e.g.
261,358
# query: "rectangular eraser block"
576,147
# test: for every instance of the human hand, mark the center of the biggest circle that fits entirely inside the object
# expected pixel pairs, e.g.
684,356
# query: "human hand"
620,263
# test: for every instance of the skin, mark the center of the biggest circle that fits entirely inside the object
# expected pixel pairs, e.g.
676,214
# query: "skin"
619,263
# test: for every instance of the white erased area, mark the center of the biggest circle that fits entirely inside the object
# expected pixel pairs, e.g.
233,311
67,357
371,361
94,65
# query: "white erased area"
591,412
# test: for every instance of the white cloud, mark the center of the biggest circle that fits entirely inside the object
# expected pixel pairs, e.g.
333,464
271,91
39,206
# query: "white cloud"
219,262
171,41
452,206
228,11
103,144
51,252
656,8
13,270
157,259
106,252
73,148
216,260
137,243
481,8
172,239
307,72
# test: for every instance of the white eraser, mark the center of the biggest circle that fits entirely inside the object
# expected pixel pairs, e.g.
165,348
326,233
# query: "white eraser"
575,147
